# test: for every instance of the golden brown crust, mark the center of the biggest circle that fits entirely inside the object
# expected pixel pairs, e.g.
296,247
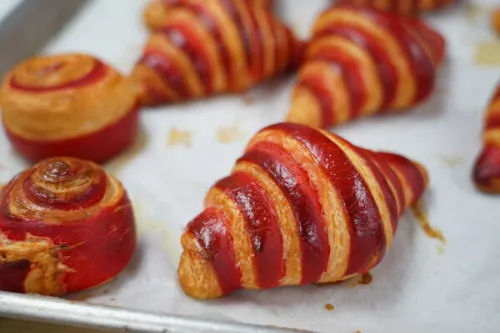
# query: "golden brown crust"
33,107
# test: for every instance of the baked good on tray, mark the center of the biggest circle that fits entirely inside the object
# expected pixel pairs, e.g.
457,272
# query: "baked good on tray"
301,206
211,47
65,225
486,173
403,7
361,61
157,11
495,20
68,105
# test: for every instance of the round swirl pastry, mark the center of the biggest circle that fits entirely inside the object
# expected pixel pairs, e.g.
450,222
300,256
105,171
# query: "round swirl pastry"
157,11
209,47
65,226
403,7
68,105
362,61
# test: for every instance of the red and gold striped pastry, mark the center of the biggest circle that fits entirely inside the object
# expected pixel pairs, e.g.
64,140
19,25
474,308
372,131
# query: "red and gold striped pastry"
362,61
211,47
65,226
402,7
157,11
69,105
301,206
486,173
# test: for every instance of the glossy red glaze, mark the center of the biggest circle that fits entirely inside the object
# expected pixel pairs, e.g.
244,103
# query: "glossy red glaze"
386,69
183,36
365,227
421,66
13,274
493,120
211,25
434,39
96,249
326,101
393,179
261,223
97,73
350,70
294,182
211,231
407,168
255,38
487,167
99,146
169,72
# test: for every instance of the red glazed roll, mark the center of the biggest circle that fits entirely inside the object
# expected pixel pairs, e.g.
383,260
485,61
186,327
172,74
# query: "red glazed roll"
301,206
361,62
211,47
68,105
157,11
404,7
64,226
487,169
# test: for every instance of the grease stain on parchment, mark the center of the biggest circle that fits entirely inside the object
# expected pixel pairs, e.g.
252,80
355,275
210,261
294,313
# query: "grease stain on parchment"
363,279
423,220
229,134
178,137
487,53
451,161
473,12
169,239
329,307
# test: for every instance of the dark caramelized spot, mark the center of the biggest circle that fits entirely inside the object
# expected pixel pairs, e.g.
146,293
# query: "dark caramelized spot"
13,274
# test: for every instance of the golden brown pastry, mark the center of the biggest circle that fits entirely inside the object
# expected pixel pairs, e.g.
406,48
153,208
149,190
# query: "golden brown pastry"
65,226
362,61
68,105
157,10
487,169
211,47
495,21
402,7
301,206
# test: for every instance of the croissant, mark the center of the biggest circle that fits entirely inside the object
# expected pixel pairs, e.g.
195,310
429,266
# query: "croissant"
362,61
486,173
301,206
65,226
405,7
157,11
67,105
213,46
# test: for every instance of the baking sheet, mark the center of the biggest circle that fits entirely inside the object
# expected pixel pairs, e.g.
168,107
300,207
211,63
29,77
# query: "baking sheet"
421,284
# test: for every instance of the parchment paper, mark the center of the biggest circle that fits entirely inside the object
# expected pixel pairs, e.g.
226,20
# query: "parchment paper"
421,285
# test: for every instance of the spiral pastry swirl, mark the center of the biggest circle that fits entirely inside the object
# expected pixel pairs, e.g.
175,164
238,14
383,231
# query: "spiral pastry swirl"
402,7
486,173
212,47
362,61
67,105
301,206
156,12
65,226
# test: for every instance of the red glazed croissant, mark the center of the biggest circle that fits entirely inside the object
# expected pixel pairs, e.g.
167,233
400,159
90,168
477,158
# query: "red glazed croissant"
301,206
213,46
405,7
68,105
361,61
64,226
157,11
487,169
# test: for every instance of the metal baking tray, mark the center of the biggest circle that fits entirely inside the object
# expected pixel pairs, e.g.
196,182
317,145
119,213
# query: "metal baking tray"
183,149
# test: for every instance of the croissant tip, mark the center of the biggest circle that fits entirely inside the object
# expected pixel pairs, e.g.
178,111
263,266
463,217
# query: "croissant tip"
486,172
